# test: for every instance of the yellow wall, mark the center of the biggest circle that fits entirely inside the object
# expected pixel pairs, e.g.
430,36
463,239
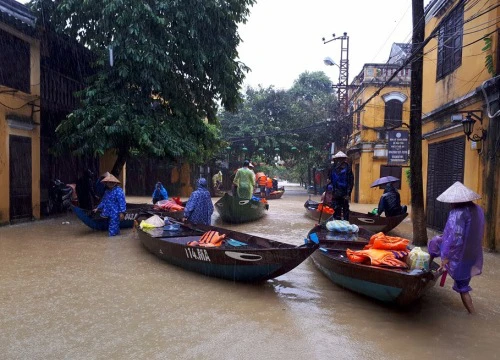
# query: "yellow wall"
373,116
15,104
455,92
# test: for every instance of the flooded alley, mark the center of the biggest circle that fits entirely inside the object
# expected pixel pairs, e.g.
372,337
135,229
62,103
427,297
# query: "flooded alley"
68,292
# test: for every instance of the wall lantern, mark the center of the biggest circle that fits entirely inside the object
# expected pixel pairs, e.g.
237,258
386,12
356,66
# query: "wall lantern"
261,150
293,148
276,149
310,147
228,148
468,124
244,149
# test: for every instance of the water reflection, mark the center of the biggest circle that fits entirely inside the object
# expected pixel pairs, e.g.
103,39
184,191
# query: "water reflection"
70,292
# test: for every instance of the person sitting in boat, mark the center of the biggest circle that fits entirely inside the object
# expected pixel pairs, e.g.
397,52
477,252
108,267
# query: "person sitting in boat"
269,186
275,183
160,193
244,180
327,196
390,202
113,204
199,207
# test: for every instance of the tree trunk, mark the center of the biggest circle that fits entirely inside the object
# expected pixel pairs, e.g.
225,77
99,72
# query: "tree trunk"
121,159
417,193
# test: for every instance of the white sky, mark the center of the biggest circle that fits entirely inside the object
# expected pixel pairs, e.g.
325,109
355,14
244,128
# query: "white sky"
282,38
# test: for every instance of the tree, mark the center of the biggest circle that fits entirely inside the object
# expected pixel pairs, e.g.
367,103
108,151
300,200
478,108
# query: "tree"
302,117
173,62
416,184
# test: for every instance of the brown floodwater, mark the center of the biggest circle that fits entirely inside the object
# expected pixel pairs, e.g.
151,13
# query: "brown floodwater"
68,292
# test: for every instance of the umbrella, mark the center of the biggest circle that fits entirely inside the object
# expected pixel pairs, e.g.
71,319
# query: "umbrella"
384,180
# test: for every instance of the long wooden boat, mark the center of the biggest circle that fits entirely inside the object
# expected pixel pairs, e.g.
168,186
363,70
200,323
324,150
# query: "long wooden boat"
96,222
393,286
373,223
277,194
242,257
235,210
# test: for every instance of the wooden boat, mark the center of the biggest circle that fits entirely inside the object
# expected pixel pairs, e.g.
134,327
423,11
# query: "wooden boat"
242,257
133,212
393,286
371,223
277,194
235,210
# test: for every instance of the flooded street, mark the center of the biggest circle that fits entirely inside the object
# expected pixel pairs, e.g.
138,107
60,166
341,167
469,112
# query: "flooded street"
68,292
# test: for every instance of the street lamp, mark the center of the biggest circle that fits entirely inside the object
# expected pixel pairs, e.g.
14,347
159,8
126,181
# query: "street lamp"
328,61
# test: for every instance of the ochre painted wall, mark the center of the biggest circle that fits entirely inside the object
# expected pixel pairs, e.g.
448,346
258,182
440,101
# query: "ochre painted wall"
441,98
16,104
372,116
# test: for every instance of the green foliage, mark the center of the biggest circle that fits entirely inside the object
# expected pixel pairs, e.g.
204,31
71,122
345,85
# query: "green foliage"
174,62
488,41
301,122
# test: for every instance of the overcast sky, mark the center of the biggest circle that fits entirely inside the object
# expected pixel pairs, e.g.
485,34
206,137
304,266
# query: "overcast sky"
282,38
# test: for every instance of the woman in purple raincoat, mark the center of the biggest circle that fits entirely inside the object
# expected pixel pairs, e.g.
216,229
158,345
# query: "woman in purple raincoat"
460,246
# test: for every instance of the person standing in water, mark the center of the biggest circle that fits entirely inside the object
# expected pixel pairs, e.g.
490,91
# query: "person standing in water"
460,245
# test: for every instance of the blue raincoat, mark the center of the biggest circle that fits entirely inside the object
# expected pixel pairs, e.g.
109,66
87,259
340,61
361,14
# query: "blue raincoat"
159,194
199,207
112,204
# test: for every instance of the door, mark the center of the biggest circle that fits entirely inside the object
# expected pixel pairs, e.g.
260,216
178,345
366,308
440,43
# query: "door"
20,178
445,166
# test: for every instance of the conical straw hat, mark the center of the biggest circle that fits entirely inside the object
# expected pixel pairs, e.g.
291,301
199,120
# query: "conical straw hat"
458,193
339,155
111,178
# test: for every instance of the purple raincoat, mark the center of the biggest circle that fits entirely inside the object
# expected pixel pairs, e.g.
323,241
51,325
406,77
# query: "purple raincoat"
461,242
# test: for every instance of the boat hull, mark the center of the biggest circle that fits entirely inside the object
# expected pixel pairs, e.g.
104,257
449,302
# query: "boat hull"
388,285
274,196
258,260
234,210
371,223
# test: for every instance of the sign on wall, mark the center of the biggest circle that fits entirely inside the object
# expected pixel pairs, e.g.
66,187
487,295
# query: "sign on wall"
398,147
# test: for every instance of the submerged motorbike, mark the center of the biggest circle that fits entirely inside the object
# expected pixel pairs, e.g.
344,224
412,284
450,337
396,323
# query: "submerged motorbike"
60,197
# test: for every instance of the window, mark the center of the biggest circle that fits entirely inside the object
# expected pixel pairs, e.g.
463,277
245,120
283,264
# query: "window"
450,42
358,115
393,113
14,62
395,171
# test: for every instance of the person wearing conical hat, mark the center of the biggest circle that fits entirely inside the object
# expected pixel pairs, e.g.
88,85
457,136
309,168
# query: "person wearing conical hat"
460,245
113,204
342,181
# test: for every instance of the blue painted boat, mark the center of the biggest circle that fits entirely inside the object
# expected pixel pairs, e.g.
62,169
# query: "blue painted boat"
97,222
393,286
242,257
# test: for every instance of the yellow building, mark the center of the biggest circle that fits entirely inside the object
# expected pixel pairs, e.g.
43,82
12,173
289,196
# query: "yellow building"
19,114
383,120
453,76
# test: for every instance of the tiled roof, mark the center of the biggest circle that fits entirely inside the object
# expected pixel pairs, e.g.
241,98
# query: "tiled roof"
18,16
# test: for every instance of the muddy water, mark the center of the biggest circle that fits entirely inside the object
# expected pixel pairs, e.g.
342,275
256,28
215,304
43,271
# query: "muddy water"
67,292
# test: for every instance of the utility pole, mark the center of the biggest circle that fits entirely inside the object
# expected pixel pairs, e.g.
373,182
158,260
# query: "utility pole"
343,84
416,184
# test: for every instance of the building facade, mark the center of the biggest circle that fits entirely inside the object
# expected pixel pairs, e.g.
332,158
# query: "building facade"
19,114
460,82
377,121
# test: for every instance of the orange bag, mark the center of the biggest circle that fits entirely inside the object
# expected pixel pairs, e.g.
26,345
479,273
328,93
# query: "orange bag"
375,257
381,241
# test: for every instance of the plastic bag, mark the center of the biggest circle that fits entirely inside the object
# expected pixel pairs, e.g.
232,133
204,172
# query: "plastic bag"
152,222
418,259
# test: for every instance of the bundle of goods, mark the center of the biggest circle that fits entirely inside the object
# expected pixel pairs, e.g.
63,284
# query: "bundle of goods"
382,250
325,209
342,226
152,222
209,239
168,205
